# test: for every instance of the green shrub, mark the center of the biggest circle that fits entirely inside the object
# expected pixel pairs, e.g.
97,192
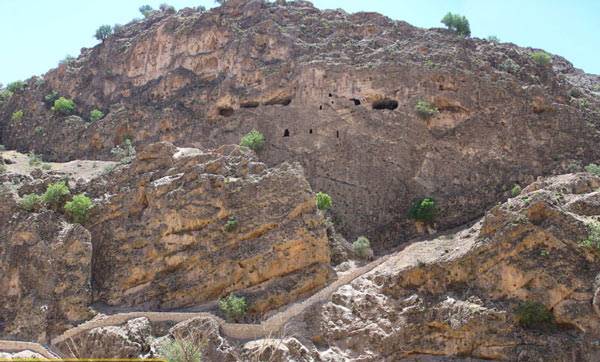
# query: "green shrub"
231,224
15,86
17,116
593,239
5,95
457,23
253,140
96,115
31,202
515,191
493,39
68,59
39,130
56,194
34,160
50,98
167,8
510,66
64,106
126,153
541,58
534,315
146,10
362,247
103,32
78,208
233,307
423,210
593,169
323,200
425,109
181,350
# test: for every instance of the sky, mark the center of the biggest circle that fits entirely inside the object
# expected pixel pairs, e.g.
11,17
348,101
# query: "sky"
36,34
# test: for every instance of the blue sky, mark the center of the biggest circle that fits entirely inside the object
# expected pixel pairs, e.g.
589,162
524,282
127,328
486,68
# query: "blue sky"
36,34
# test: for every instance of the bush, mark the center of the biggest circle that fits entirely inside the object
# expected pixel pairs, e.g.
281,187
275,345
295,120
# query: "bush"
39,130
17,116
253,140
15,86
56,194
31,202
146,10
515,191
5,95
167,8
510,66
324,201
68,59
425,109
541,58
362,247
96,115
233,307
534,315
117,28
64,106
231,224
457,23
78,208
493,39
34,160
593,169
180,350
593,239
103,32
423,210
50,98
126,153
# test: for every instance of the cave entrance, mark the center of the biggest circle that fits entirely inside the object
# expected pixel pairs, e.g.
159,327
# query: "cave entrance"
226,111
356,101
385,104
310,131
286,133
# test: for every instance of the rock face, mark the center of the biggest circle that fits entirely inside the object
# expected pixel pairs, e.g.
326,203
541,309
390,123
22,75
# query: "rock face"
162,239
458,295
45,272
321,85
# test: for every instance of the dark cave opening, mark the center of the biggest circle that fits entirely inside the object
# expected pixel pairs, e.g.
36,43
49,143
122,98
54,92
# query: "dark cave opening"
286,133
385,104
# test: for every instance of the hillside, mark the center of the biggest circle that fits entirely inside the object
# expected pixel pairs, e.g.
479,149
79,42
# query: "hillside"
374,112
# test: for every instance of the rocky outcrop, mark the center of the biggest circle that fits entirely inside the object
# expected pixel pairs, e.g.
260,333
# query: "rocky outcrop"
321,85
45,272
459,295
179,227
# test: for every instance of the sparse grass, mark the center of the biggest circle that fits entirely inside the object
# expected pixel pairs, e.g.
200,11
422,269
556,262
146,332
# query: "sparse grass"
34,160
425,109
181,350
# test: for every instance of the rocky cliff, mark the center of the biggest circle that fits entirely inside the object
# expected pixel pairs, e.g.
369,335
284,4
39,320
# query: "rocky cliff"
321,85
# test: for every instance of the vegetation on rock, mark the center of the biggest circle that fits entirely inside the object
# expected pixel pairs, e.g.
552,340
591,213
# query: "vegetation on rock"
593,239
34,160
17,116
103,32
233,307
15,86
68,59
425,109
64,106
593,169
31,202
541,58
78,208
96,115
324,201
181,350
534,315
515,191
146,10
55,194
125,153
231,224
457,23
423,210
362,247
253,140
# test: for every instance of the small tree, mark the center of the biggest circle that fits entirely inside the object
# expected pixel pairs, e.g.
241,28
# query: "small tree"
253,140
56,194
146,10
31,202
423,210
64,106
96,115
457,23
233,307
15,86
541,58
78,208
103,32
362,247
323,200
425,109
